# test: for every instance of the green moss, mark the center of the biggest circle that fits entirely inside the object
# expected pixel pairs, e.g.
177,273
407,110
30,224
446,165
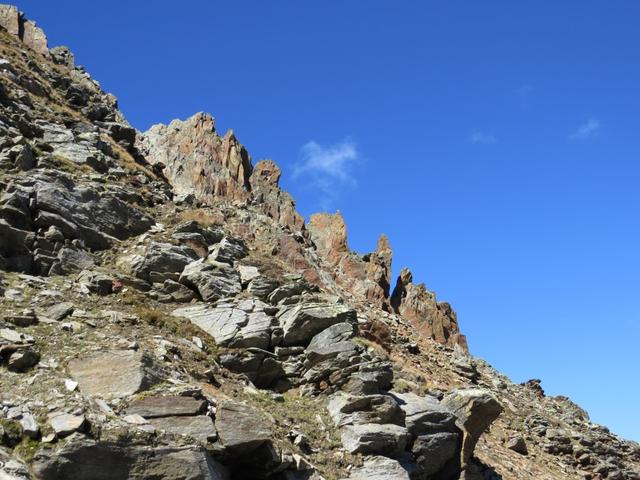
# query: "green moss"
26,449
12,432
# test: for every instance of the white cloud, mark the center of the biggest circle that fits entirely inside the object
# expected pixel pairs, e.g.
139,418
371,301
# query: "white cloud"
483,138
329,168
586,130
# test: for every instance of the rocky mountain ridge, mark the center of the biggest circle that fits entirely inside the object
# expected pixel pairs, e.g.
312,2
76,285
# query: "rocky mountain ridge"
169,315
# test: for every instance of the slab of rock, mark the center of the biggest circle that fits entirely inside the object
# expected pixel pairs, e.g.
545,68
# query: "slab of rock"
169,406
23,360
200,427
72,260
211,280
433,452
262,286
240,427
300,323
518,445
83,458
229,326
60,311
374,439
379,468
424,415
349,410
228,250
162,261
475,409
96,282
114,374
65,424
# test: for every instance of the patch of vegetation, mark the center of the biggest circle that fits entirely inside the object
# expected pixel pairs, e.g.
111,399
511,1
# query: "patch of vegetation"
26,449
201,215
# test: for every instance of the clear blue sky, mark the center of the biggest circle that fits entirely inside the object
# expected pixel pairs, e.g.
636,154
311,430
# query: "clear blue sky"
496,143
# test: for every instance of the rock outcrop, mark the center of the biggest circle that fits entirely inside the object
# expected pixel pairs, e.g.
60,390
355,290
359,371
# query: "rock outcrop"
168,315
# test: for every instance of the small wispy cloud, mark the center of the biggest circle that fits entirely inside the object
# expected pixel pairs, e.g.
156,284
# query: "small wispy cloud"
586,130
483,138
329,167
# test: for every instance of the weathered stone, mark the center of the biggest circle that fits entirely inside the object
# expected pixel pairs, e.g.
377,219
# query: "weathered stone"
228,250
231,327
60,311
114,374
300,323
433,452
65,424
96,282
262,286
211,280
424,415
83,458
23,360
30,426
164,260
166,406
379,468
241,428
475,409
374,439
72,260
199,427
518,445
348,410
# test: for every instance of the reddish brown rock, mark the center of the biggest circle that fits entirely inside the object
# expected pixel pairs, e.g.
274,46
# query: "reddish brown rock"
434,319
197,160
14,22
275,202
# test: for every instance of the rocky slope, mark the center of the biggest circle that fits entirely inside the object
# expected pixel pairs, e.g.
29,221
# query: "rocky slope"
167,314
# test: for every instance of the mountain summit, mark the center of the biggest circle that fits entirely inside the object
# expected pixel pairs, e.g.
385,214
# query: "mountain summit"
167,314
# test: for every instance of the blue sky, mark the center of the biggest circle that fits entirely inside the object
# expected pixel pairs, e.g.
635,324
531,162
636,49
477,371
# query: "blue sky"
496,143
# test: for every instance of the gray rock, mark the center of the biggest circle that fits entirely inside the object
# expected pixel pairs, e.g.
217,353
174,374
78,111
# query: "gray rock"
241,428
200,427
211,280
289,290
30,426
83,458
114,374
72,260
433,452
65,424
475,409
262,286
96,282
379,468
258,365
60,311
228,250
165,260
424,415
167,406
23,360
374,439
231,327
177,292
518,445
348,410
300,323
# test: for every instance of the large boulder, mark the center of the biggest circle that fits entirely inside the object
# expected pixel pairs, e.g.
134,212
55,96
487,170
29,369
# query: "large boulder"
230,326
162,261
475,409
114,374
433,452
375,439
83,458
241,429
349,410
300,323
424,415
379,468
212,280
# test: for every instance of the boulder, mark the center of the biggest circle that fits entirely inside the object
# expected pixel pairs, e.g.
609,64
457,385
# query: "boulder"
83,458
379,468
166,406
211,280
228,250
199,427
261,286
71,260
114,374
96,282
424,415
65,424
349,410
23,360
375,439
300,323
475,409
241,428
433,452
162,261
229,326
